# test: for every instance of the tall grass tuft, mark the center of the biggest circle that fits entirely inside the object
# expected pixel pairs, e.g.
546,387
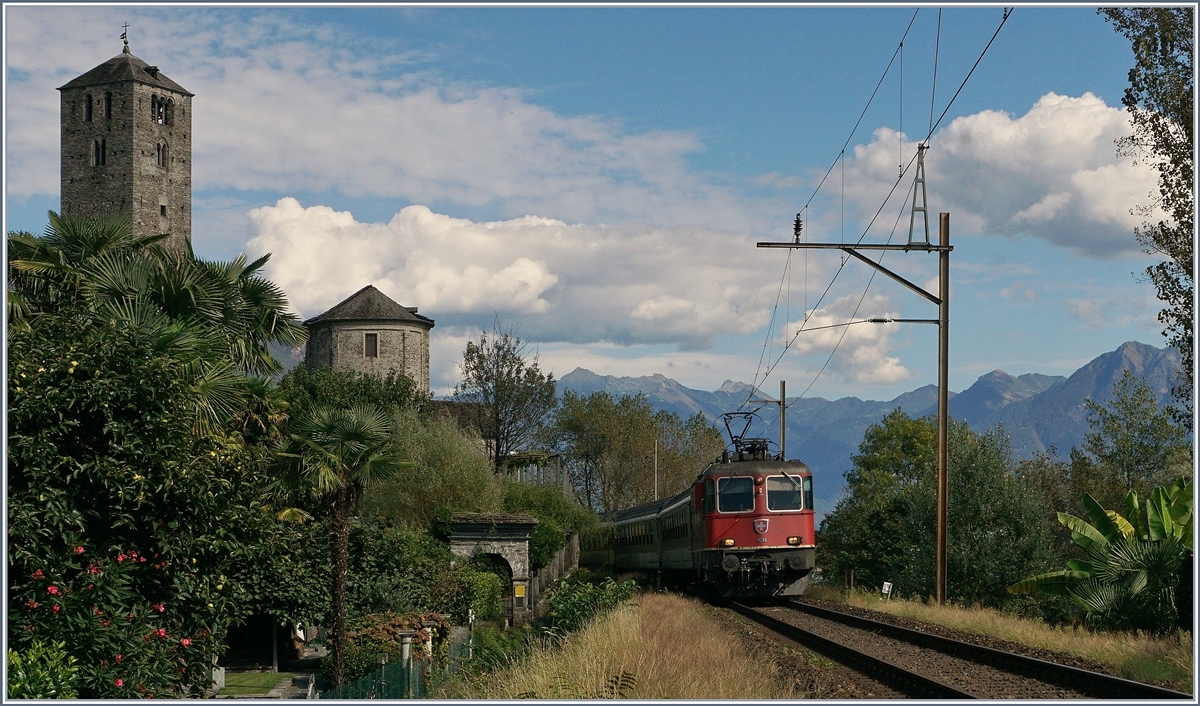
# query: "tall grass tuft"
660,647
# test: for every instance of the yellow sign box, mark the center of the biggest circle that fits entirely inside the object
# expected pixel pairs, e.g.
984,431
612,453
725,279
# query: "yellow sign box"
519,591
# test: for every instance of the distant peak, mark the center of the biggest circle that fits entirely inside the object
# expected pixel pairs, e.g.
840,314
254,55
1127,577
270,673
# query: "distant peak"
731,386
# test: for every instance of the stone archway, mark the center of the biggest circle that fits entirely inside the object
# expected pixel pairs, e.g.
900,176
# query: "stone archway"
503,535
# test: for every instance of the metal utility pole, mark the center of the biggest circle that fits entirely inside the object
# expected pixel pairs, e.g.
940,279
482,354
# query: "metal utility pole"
943,489
782,426
656,469
943,250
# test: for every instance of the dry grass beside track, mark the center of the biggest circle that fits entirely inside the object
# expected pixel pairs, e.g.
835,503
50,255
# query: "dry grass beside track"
1135,656
666,642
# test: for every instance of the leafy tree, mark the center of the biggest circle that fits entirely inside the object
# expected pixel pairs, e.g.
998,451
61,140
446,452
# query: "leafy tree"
556,514
884,528
1130,570
1133,445
511,394
333,455
122,520
449,470
609,445
1159,101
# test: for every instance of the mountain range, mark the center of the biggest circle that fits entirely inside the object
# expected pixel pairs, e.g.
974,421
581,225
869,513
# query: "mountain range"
1038,412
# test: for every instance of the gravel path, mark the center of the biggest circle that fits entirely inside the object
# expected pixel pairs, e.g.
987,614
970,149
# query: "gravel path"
982,681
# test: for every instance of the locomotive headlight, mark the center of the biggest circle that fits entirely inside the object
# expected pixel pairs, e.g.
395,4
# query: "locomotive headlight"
793,541
727,542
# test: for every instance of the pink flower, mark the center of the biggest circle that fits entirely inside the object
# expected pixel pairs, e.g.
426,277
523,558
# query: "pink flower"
56,608
185,642
142,559
78,550
119,682
120,657
37,575
52,590
161,632
121,557
158,606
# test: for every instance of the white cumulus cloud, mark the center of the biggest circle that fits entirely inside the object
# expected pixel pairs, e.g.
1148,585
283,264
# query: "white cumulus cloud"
577,283
861,349
1052,173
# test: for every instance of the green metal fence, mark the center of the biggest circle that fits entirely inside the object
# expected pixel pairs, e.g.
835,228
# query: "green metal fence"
393,681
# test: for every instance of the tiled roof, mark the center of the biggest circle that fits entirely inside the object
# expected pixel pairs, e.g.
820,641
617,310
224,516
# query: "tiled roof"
125,67
370,304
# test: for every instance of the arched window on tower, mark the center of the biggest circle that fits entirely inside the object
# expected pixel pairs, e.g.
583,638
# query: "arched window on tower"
158,109
108,105
99,152
170,116
161,158
87,107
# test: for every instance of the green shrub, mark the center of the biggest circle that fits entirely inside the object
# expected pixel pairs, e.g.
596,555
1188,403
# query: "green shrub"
494,649
123,516
41,672
485,594
574,603
449,472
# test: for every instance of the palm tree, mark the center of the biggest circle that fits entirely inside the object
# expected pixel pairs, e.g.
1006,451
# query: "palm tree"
217,318
1127,579
334,454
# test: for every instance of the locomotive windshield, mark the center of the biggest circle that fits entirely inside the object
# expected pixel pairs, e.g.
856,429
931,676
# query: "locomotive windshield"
735,494
783,493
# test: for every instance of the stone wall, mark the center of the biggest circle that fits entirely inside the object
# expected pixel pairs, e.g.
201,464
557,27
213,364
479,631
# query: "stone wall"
341,345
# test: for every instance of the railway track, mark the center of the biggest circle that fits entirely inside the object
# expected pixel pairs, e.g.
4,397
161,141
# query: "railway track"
921,665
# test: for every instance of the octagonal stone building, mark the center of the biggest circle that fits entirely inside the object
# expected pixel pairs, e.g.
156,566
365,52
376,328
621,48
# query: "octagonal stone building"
371,333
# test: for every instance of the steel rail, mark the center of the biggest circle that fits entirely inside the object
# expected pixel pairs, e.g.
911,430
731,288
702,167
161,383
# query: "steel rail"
910,683
1092,684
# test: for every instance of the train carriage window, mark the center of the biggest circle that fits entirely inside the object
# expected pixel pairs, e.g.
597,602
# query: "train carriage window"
709,496
808,493
735,494
783,493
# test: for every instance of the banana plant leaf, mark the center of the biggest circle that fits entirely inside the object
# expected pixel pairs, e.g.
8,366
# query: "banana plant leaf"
1133,512
1101,519
1054,582
1082,533
1124,526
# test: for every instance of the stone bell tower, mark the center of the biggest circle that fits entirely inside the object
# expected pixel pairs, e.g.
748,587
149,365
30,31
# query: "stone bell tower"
127,145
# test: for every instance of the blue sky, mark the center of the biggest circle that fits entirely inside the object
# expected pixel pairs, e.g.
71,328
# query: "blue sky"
599,176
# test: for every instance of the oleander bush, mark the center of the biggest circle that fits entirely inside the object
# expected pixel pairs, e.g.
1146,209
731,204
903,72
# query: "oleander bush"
123,514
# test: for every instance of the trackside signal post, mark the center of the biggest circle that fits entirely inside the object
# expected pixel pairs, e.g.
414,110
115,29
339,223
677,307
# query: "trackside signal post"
943,249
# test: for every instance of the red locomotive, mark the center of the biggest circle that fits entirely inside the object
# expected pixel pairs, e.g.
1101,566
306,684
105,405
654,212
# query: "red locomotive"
744,528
